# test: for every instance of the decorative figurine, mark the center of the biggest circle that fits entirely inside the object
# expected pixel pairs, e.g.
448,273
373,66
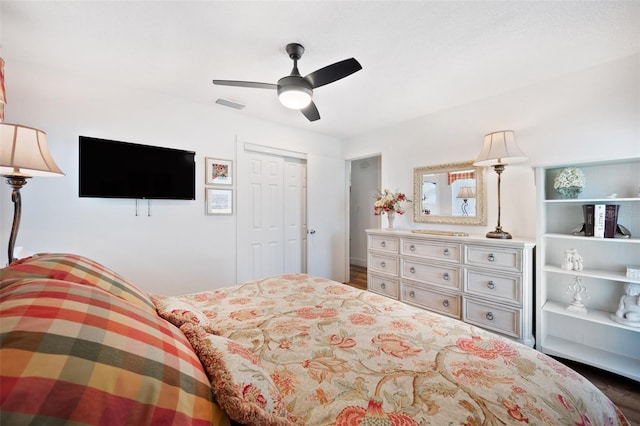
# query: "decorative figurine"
577,261
628,312
572,260
576,302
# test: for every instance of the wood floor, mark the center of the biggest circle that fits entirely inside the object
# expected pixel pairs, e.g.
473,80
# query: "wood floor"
624,392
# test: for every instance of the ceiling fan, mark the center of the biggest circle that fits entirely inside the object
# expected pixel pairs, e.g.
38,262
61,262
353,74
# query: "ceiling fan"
295,91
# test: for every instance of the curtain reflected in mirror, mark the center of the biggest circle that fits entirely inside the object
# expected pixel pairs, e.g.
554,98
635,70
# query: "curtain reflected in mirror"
450,193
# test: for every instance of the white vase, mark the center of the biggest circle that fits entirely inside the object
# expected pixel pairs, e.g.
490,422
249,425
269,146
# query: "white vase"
391,216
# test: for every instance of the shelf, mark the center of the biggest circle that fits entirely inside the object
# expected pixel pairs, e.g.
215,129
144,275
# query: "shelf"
594,273
592,200
592,315
615,363
597,240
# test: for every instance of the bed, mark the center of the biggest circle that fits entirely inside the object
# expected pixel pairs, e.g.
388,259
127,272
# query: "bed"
285,350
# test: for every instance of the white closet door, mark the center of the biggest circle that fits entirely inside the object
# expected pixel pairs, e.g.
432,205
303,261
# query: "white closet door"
260,202
290,218
295,215
272,214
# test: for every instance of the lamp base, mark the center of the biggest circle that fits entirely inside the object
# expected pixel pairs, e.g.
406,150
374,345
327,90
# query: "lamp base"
499,234
16,181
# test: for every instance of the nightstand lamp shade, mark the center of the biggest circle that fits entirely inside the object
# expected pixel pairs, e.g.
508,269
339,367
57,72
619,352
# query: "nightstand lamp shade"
499,149
23,154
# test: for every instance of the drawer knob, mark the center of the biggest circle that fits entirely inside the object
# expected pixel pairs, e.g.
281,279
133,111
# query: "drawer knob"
491,257
489,316
445,303
383,286
446,252
491,285
412,248
446,276
383,264
383,244
412,270
412,293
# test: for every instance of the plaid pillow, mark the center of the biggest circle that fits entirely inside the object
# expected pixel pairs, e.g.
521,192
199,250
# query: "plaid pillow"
239,383
78,269
79,354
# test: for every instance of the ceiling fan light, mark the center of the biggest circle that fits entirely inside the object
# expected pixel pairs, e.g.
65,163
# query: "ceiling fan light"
294,97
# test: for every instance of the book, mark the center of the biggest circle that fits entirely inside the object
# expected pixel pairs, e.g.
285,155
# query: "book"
598,220
611,220
588,210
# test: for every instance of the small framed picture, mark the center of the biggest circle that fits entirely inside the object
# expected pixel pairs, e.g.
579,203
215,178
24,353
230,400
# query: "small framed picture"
219,201
218,172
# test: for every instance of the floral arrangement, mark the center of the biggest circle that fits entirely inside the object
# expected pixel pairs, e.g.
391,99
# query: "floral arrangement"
569,177
388,201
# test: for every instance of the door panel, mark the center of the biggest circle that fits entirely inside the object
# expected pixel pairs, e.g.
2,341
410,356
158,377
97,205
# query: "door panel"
272,220
294,212
326,216
260,222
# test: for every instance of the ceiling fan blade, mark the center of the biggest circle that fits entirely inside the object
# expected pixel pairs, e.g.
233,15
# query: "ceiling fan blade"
311,112
333,72
252,84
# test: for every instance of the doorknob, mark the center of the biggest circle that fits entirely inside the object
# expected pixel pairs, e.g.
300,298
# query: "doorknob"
312,231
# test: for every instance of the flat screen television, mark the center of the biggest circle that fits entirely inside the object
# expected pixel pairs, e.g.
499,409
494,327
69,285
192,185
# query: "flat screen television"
113,169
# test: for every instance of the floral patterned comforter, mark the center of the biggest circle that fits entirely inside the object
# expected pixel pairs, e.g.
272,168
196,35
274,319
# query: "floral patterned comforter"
344,356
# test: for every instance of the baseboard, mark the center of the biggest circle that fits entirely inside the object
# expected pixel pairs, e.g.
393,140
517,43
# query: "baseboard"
358,262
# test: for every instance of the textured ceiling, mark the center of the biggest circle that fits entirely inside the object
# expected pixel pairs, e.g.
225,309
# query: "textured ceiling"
418,57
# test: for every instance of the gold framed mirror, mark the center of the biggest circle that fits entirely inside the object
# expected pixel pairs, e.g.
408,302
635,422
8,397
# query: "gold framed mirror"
452,193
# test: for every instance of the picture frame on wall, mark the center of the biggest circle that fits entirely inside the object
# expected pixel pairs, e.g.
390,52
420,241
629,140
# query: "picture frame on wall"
219,201
218,171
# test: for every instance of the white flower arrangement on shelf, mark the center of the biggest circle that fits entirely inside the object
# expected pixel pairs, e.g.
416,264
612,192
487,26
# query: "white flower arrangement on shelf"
569,177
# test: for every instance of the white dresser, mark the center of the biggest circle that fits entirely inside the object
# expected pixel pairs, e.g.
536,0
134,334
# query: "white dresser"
485,282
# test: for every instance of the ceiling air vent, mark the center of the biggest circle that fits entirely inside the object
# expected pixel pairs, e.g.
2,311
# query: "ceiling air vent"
229,103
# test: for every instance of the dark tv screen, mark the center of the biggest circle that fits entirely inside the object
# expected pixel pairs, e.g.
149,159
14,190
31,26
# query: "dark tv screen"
112,169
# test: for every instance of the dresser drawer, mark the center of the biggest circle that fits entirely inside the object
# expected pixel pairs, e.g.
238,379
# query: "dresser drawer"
431,299
384,286
447,276
449,252
498,258
501,319
495,286
384,243
382,263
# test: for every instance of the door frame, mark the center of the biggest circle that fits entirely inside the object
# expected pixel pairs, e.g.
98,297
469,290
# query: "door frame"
245,151
340,268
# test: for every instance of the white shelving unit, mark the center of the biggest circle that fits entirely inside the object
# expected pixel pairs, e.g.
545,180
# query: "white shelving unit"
592,338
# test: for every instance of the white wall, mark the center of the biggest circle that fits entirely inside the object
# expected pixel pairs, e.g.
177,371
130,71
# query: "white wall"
590,115
178,249
586,116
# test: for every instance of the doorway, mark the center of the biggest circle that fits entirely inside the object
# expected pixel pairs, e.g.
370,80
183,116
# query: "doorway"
364,182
